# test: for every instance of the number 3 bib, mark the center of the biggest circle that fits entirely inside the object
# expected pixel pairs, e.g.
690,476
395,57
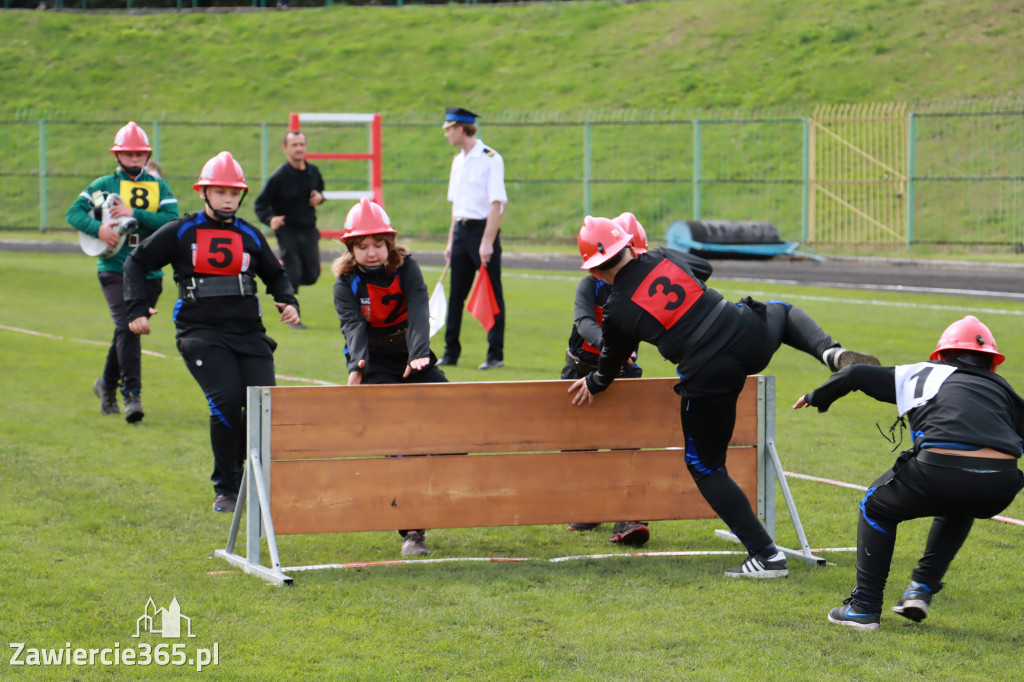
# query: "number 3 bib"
667,293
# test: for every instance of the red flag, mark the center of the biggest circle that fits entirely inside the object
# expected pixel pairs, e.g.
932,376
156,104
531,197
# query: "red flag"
482,303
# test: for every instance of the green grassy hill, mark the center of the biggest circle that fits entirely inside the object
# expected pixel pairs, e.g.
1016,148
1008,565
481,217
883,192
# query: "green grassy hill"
540,57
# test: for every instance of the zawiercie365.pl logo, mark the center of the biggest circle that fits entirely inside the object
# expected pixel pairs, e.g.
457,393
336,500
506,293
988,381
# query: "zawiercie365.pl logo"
167,623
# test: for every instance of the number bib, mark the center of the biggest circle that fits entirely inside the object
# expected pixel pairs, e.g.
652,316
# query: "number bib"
219,252
918,383
387,305
599,316
144,195
667,293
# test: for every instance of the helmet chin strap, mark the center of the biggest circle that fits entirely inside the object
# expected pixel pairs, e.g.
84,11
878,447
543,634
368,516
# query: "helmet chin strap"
224,216
132,171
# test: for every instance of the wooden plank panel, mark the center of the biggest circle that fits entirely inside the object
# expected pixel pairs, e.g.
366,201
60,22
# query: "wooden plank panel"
356,421
393,493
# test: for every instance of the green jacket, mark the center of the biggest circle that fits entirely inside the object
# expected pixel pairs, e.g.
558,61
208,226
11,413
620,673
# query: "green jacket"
151,198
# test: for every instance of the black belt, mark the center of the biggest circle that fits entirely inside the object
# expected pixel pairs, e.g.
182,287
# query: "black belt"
978,464
582,366
217,285
387,340
472,222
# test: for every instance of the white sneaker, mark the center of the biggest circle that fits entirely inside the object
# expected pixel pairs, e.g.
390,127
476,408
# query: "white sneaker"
756,567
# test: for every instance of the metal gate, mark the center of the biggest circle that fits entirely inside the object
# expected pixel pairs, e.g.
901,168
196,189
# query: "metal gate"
858,175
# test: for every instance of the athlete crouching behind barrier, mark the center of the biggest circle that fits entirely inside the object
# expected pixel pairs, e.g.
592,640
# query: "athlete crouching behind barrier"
215,256
968,425
382,302
660,297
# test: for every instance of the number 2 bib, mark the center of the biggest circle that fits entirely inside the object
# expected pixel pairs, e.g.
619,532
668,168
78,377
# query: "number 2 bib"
387,305
667,293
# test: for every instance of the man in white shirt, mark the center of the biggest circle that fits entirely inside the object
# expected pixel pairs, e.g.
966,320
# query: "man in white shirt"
476,189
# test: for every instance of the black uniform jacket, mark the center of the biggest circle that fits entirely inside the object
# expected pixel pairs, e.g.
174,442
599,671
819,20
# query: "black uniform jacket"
197,246
382,311
659,297
973,407
287,193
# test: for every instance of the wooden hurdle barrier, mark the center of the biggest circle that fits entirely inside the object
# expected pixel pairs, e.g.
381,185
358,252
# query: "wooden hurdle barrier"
331,459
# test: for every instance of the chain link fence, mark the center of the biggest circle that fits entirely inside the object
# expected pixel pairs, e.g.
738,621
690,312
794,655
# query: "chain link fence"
963,181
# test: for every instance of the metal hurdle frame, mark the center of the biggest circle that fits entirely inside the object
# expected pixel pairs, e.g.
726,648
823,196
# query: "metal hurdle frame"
254,494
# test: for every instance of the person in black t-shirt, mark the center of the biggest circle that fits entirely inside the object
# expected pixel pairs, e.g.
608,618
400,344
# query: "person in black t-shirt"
287,205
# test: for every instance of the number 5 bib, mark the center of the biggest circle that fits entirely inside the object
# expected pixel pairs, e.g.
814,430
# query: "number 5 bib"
219,252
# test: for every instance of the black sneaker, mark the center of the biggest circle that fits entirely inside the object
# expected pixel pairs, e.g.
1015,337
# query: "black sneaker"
855,614
133,408
447,361
630,533
108,398
837,358
414,544
914,602
582,526
492,364
225,503
756,567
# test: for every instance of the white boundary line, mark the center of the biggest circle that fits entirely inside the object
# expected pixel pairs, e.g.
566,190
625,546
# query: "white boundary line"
843,484
716,284
555,560
152,353
56,337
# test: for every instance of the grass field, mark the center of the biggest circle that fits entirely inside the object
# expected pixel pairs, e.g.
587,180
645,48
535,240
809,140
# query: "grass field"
97,516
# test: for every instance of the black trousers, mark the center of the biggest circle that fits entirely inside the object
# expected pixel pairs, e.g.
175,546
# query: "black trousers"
708,408
124,357
300,254
913,489
464,265
224,365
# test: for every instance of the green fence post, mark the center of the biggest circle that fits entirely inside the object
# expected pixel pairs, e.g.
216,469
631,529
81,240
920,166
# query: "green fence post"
911,163
42,176
805,208
696,169
264,153
587,167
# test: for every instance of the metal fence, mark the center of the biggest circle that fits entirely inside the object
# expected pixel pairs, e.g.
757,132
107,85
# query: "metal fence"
941,174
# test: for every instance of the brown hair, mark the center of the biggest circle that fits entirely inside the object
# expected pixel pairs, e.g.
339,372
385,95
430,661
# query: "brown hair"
284,140
346,263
